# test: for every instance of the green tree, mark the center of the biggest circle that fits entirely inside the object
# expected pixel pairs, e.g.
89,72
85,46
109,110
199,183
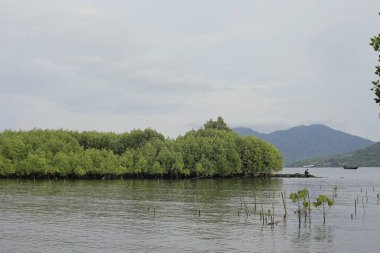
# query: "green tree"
219,124
6,167
12,146
171,159
300,198
375,43
210,151
126,161
34,165
250,155
138,138
81,163
61,163
323,204
140,164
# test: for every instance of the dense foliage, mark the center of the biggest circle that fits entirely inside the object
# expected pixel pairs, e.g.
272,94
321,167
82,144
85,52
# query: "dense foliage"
207,152
375,43
218,124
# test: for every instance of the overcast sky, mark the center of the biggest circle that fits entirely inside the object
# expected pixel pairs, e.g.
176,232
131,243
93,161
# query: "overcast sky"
172,64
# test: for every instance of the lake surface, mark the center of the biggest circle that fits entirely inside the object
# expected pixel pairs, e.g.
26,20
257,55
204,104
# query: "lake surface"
188,215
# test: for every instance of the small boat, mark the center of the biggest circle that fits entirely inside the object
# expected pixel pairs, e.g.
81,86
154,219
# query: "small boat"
350,167
308,166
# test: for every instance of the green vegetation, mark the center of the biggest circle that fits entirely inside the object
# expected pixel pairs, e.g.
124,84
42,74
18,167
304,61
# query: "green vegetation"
368,157
219,124
323,204
303,205
375,43
212,151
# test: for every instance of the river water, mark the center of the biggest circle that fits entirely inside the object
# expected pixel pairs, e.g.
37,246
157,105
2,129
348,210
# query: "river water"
189,215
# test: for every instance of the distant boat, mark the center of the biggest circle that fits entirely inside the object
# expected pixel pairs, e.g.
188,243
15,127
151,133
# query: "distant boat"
350,167
308,166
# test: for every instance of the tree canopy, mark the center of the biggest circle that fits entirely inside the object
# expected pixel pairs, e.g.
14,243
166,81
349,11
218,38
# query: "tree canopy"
375,43
207,152
218,124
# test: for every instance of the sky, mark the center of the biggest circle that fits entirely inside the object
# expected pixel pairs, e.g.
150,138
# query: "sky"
171,65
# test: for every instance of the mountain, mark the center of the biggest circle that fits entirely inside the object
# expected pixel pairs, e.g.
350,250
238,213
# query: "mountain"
305,142
244,131
368,157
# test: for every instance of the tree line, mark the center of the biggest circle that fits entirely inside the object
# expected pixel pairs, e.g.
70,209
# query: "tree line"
211,151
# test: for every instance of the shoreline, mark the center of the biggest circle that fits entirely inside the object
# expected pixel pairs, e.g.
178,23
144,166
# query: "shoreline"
149,177
294,175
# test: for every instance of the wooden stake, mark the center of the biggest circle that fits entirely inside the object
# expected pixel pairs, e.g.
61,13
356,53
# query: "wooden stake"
363,206
273,206
261,202
308,199
284,203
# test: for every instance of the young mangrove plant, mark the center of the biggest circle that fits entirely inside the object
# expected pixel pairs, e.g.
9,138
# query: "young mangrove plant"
323,204
335,191
303,205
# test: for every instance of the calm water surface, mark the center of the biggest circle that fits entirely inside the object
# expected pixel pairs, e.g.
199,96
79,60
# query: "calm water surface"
163,215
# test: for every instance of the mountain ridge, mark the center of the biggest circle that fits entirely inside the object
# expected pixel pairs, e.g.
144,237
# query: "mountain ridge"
367,157
306,142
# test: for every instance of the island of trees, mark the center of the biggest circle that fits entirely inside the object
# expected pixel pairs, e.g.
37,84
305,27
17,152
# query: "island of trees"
211,151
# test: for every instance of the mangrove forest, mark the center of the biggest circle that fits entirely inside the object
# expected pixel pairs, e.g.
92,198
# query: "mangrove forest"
211,151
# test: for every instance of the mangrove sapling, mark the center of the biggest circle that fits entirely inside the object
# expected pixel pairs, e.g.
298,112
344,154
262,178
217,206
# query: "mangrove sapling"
335,191
323,204
247,212
303,205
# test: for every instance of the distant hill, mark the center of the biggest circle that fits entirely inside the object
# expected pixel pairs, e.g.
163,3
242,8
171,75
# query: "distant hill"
305,142
368,157
244,131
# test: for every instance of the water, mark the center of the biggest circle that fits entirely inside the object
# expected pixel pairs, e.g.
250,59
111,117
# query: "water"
163,215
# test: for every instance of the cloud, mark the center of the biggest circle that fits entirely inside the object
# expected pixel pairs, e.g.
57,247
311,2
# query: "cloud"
172,64
92,11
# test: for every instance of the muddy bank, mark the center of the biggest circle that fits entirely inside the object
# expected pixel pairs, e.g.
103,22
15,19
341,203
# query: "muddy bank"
297,175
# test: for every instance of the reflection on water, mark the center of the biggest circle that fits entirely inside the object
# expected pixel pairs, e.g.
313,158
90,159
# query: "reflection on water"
188,215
